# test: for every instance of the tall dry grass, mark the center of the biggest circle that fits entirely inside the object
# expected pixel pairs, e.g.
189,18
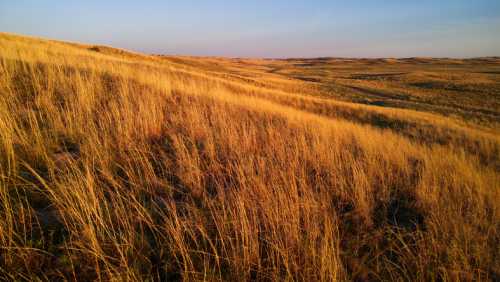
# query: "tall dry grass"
129,167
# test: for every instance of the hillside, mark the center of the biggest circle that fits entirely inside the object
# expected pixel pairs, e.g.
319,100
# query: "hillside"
116,165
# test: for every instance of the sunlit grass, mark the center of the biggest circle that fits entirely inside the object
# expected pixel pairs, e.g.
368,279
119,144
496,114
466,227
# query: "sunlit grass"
119,166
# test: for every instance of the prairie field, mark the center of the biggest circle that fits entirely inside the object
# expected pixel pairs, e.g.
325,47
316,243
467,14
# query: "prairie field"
120,166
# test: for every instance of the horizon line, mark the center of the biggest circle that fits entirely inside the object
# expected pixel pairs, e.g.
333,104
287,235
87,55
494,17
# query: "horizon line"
325,57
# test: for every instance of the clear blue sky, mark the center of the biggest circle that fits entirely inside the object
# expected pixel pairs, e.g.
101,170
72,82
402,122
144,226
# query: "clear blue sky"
274,28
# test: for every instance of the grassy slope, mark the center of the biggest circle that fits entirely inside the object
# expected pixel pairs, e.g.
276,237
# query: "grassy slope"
122,166
467,89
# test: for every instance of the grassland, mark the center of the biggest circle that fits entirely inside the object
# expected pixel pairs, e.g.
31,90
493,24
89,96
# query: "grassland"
129,167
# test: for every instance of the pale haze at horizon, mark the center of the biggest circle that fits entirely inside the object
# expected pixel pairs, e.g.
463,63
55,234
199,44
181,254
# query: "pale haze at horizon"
267,28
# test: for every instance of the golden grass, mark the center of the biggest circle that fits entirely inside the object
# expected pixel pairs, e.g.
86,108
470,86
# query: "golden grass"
120,166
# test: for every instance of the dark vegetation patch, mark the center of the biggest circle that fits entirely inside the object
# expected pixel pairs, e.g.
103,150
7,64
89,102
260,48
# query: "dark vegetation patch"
309,79
379,103
375,76
402,213
438,85
381,94
489,72
95,49
304,64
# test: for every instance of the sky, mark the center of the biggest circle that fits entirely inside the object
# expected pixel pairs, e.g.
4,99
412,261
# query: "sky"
271,29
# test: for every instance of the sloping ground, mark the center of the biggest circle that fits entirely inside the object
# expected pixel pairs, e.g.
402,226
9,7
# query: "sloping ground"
115,165
465,89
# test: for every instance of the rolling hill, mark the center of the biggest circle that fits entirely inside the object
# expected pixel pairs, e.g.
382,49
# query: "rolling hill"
116,165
